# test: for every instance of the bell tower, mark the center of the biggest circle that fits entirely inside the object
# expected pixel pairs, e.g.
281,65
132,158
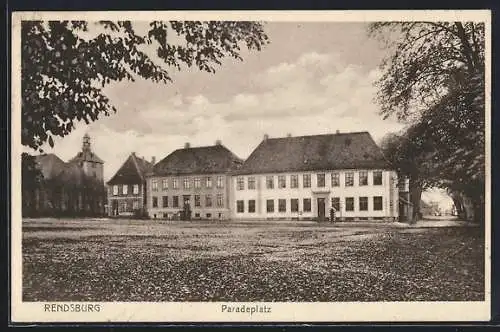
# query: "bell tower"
86,143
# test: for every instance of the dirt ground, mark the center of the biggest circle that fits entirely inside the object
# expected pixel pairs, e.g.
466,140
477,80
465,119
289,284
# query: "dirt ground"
145,260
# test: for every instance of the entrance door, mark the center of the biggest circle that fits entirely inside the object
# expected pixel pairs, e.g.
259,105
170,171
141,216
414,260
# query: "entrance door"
114,208
321,208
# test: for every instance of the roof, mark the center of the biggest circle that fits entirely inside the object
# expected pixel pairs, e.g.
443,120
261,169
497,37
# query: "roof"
132,171
50,165
87,155
311,153
199,160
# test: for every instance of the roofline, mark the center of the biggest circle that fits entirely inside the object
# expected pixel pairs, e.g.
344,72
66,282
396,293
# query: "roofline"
317,135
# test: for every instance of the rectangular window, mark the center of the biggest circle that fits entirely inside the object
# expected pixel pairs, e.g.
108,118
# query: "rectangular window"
208,182
377,203
270,205
186,183
135,189
251,182
135,205
251,206
197,183
363,204
164,184
307,205
155,201
363,178
320,180
165,201
240,183
240,206
377,178
154,185
282,205
115,190
281,181
197,200
349,179
294,181
294,205
220,182
175,201
306,178
335,179
175,183
336,203
220,200
270,182
125,189
349,203
208,200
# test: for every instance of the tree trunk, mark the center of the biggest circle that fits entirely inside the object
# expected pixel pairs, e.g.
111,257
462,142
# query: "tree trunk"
415,197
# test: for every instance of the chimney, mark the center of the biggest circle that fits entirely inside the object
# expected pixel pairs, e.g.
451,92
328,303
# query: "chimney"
337,132
266,136
218,142
187,145
153,160
288,135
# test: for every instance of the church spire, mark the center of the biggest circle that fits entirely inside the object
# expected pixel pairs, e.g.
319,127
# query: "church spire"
86,143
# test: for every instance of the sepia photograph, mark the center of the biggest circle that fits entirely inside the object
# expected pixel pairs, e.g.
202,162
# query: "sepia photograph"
250,166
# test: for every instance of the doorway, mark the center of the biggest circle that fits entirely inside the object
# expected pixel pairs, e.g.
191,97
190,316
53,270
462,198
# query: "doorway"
321,208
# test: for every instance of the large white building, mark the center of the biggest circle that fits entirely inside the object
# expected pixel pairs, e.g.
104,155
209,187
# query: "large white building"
304,177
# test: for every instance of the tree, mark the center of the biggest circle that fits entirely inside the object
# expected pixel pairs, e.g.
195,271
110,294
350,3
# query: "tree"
433,79
66,64
31,180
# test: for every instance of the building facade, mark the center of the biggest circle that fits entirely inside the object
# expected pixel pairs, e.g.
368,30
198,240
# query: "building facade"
192,183
126,190
305,177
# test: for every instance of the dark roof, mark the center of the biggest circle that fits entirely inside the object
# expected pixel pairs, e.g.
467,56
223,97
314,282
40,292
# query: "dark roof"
198,160
50,165
311,153
87,156
132,171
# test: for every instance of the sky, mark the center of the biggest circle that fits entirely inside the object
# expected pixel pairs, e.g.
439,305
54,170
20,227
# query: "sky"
313,78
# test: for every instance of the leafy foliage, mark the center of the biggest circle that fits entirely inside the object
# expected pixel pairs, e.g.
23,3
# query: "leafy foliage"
66,64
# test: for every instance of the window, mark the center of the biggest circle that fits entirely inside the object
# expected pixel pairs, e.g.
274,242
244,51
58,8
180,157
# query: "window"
165,201
240,206
377,178
135,189
281,181
240,183
186,183
135,205
335,179
349,179
197,200
251,206
320,179
306,180
363,178
294,205
175,201
251,182
282,205
307,205
363,204
220,182
125,189
197,183
115,190
208,182
349,203
294,181
155,201
269,182
154,185
220,200
377,203
336,203
270,205
164,184
175,183
124,207
208,200
209,215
